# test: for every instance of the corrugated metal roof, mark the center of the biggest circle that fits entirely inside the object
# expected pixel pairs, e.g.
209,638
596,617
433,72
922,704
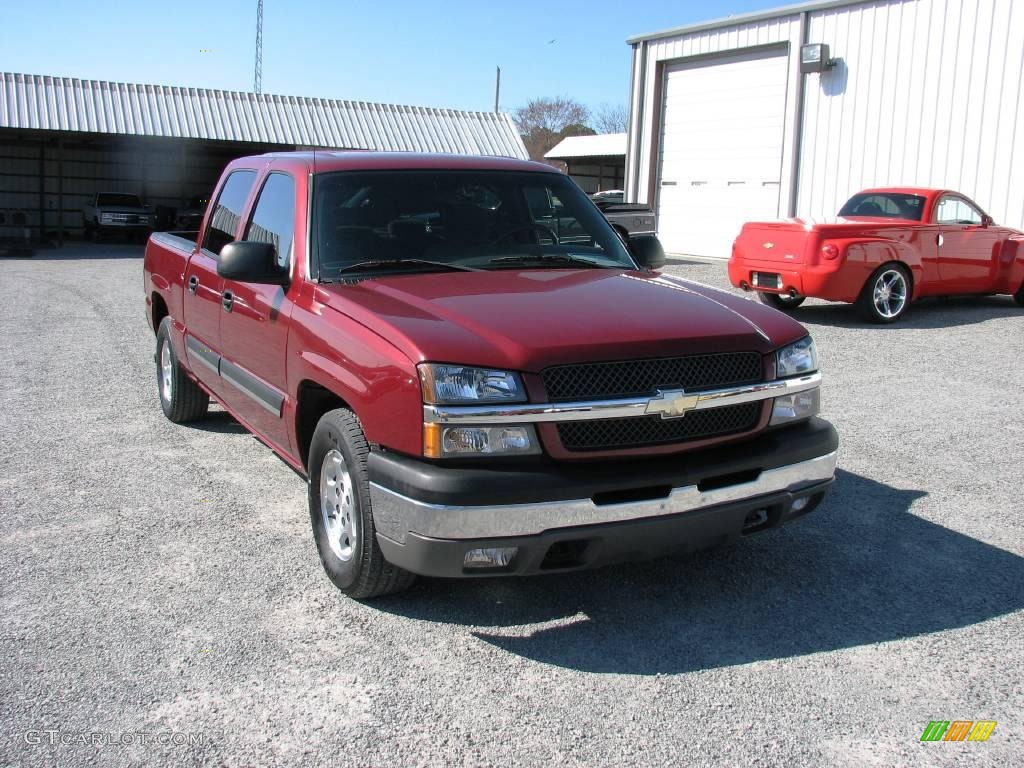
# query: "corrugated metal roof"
744,18
95,106
600,145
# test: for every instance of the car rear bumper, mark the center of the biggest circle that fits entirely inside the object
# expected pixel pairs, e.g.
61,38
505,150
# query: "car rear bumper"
566,517
823,281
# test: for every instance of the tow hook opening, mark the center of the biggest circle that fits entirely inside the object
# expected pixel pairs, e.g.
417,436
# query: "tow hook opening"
761,518
565,554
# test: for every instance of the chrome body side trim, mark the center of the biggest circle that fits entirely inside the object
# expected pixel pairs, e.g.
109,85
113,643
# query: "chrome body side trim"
396,515
620,408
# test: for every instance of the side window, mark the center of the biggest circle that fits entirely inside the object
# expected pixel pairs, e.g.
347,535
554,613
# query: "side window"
953,210
224,221
273,220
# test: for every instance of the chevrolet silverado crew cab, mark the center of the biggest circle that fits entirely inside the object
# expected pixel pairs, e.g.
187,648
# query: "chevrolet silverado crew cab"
467,391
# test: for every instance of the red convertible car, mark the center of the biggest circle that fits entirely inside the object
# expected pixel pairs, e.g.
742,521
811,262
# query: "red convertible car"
887,247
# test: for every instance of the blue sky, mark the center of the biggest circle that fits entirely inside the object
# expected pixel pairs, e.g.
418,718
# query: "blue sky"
433,53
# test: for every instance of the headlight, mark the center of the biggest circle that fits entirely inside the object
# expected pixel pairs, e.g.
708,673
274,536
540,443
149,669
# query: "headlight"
796,359
461,385
441,441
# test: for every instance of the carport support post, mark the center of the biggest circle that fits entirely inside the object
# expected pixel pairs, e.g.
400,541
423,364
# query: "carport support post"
60,193
42,190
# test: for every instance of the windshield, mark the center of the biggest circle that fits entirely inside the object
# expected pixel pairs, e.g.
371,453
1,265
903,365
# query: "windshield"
127,201
481,219
890,205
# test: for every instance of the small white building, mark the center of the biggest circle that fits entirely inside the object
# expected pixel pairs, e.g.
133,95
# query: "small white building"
725,127
597,163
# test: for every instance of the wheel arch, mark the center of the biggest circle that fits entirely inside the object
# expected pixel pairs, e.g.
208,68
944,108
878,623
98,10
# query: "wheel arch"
159,310
312,401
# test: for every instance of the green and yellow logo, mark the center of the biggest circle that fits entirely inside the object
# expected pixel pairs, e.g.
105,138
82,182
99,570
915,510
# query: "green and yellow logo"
958,730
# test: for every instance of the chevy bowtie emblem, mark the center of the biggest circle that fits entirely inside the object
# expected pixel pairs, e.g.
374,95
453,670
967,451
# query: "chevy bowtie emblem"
769,245
672,404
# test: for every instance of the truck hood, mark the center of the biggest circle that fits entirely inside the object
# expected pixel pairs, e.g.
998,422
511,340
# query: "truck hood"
530,319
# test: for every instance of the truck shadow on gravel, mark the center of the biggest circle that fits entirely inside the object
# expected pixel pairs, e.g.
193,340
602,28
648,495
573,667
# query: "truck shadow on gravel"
927,313
862,569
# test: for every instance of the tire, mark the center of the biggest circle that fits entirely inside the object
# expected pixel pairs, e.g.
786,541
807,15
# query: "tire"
1019,295
97,233
780,301
889,306
339,510
181,399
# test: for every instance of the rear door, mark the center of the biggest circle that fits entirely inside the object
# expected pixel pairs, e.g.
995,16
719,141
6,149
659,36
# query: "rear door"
204,287
968,251
254,323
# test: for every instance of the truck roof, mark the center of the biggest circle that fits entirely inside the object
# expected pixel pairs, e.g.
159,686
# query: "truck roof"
323,161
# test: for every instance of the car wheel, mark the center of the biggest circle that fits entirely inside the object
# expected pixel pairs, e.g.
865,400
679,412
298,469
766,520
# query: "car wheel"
181,399
886,295
339,509
780,300
97,233
1019,295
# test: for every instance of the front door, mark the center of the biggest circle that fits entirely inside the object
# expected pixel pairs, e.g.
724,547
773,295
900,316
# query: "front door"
204,288
968,247
254,323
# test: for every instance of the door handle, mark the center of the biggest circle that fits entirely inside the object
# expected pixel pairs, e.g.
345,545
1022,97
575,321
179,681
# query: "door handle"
226,300
193,283
938,239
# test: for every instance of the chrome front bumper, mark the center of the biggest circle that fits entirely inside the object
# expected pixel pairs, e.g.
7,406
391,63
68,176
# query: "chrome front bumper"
396,516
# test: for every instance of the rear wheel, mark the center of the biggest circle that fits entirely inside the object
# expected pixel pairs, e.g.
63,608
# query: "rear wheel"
780,300
181,399
1019,295
886,295
339,509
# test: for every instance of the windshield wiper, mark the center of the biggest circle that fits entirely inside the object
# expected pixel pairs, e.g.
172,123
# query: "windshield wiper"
389,263
552,258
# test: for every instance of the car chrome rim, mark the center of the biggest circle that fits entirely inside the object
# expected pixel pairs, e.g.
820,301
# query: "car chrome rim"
165,371
337,505
890,293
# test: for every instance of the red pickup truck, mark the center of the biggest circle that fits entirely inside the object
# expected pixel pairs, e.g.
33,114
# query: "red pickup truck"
887,247
471,389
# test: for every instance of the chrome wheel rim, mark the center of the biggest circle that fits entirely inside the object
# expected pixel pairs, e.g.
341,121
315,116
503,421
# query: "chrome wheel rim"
165,371
337,505
890,293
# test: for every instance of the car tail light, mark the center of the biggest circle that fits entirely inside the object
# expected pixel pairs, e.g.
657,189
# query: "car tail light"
829,251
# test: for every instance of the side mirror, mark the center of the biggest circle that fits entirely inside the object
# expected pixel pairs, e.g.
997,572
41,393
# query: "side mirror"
986,220
250,262
647,251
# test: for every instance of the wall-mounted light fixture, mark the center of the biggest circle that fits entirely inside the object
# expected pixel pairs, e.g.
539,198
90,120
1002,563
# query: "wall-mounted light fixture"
814,58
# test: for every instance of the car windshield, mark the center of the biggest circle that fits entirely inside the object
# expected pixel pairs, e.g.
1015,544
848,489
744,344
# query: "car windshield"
890,205
481,219
128,201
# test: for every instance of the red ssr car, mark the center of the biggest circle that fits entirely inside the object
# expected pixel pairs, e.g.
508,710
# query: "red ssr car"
887,247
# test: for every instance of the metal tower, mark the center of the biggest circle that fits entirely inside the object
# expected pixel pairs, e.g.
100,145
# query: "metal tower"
258,77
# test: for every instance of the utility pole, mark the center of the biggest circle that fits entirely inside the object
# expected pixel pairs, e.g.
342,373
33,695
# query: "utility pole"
497,87
258,77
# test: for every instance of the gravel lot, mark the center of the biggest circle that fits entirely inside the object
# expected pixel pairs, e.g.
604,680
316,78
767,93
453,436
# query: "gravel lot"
158,579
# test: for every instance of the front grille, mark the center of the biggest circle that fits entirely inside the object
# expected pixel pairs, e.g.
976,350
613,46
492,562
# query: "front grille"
634,432
633,378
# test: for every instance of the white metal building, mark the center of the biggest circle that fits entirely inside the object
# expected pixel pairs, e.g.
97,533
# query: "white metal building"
724,127
63,139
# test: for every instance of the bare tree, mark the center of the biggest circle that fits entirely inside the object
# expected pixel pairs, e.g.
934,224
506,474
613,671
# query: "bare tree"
546,121
611,118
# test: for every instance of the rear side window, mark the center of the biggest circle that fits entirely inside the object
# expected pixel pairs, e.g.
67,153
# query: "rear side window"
273,220
228,211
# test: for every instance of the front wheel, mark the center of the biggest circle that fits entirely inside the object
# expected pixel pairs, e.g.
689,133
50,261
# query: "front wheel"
780,300
339,509
886,295
181,399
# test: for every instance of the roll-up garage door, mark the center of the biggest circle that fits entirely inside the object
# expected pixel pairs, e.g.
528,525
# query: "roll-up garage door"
720,159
